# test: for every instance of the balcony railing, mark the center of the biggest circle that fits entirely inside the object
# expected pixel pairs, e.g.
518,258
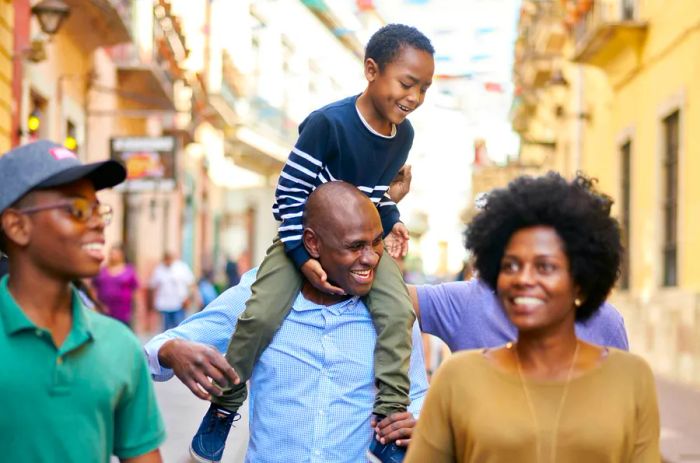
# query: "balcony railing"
271,120
550,37
607,21
144,77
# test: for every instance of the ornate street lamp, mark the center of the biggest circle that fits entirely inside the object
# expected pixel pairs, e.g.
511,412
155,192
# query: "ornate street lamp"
51,14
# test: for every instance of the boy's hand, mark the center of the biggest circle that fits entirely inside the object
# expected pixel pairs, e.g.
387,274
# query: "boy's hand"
395,427
401,185
396,242
313,272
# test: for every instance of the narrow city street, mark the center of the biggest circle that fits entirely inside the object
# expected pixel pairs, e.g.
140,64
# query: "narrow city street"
679,407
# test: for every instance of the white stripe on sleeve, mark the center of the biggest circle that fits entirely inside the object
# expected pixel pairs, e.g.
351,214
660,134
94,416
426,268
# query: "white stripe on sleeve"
308,157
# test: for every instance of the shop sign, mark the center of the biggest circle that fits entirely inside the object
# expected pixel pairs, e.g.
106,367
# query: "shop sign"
149,161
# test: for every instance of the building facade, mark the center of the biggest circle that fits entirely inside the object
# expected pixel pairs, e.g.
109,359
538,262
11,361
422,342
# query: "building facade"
258,76
645,154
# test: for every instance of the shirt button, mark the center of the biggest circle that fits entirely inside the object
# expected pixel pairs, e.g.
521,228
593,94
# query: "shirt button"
59,360
320,412
317,452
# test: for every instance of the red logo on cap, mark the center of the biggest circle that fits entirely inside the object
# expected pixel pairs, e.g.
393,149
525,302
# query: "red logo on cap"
60,152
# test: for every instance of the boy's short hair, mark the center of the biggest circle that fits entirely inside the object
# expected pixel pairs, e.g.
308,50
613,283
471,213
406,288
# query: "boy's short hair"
385,44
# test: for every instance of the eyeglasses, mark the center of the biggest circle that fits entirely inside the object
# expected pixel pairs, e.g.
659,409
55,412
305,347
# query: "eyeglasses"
81,209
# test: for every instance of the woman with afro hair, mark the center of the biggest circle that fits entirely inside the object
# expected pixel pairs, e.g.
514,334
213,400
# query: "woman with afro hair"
551,251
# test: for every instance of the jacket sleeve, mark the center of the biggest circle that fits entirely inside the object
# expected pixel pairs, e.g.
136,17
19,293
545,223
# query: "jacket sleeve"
299,176
389,213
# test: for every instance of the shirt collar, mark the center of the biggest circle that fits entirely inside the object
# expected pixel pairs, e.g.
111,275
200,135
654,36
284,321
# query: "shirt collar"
369,127
15,320
302,304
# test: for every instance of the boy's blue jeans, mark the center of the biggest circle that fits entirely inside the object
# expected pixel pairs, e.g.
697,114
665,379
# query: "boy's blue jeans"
276,287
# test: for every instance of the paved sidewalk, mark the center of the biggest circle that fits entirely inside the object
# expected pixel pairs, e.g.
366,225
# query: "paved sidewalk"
679,407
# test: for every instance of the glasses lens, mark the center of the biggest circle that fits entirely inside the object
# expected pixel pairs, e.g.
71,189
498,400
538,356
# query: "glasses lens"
81,209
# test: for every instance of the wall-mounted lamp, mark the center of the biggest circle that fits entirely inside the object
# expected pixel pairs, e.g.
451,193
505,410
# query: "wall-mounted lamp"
50,14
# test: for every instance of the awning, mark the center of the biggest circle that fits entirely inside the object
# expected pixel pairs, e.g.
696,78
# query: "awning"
144,87
98,23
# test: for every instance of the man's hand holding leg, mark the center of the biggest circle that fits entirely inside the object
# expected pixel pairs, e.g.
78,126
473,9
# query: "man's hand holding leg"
396,427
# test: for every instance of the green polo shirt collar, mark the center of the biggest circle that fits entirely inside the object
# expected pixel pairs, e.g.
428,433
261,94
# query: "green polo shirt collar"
15,321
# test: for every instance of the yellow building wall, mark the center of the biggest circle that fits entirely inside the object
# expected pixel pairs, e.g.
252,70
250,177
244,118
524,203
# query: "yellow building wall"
628,97
6,45
668,80
596,135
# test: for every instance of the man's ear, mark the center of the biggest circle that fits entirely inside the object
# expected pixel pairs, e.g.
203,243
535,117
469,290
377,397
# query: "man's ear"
371,69
16,227
311,242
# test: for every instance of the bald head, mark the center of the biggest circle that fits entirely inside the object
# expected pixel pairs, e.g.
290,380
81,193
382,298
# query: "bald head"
335,202
343,231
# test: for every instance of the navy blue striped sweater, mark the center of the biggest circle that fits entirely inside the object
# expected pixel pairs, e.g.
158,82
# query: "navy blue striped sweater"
335,144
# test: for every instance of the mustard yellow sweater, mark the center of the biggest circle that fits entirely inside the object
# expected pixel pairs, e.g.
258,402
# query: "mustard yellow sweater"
475,412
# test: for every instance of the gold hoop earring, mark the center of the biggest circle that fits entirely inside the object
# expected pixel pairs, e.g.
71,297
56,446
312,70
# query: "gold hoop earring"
577,302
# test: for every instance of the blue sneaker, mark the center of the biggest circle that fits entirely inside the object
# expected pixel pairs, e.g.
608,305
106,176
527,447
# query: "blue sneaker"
209,442
385,453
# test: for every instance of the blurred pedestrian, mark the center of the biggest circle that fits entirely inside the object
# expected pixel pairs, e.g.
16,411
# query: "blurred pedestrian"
551,251
207,289
465,273
172,289
116,286
363,140
75,384
232,274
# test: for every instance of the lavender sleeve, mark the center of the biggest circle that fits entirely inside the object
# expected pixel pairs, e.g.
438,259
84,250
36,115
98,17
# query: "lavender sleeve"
439,313
467,315
464,314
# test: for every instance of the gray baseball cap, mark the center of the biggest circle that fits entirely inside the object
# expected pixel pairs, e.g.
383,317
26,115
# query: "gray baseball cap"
45,164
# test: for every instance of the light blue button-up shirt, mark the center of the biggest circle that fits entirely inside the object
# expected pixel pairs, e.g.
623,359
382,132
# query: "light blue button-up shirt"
312,391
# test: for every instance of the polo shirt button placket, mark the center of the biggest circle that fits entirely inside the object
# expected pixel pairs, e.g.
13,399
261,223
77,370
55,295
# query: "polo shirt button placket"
61,376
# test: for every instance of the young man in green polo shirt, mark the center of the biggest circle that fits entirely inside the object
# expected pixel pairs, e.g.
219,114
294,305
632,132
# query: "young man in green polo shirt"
74,384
